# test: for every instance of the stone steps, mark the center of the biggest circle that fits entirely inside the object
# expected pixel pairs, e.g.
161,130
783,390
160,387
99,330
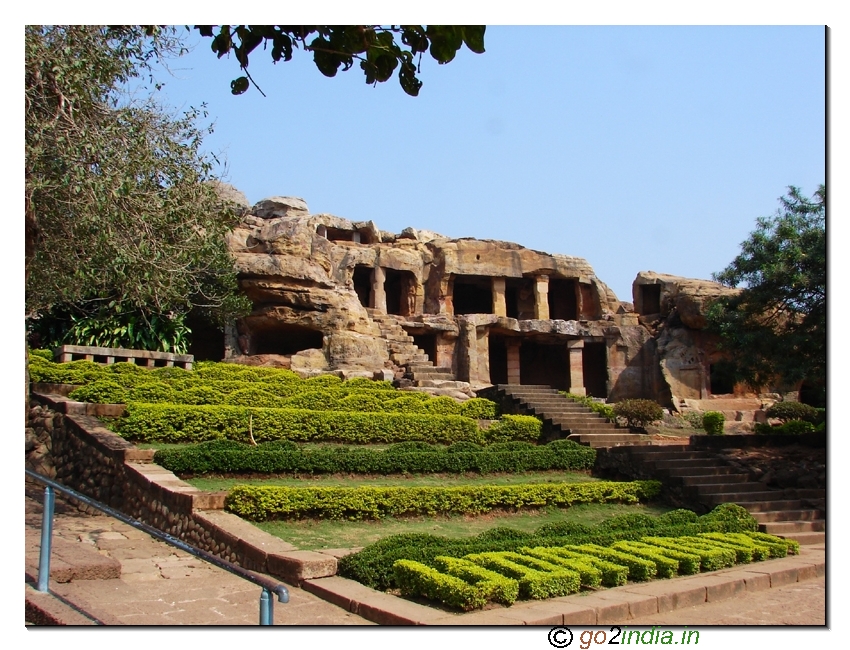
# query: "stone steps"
784,527
709,480
788,515
562,415
406,354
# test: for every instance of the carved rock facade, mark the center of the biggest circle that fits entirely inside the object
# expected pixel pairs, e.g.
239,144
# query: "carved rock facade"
333,295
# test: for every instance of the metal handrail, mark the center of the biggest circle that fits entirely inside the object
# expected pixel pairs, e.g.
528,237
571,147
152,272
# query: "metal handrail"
268,585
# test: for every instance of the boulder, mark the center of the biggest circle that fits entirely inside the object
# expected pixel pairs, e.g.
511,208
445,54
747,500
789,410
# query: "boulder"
280,206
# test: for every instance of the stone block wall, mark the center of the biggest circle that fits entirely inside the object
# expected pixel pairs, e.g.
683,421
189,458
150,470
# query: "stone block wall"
79,452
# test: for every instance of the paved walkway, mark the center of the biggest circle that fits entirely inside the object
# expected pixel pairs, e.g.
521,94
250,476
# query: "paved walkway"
161,585
158,584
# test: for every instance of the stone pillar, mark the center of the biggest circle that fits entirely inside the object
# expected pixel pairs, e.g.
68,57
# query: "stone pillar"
513,360
576,367
378,296
500,307
541,297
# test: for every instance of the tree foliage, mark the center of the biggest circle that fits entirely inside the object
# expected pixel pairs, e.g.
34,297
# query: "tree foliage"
339,46
775,328
121,205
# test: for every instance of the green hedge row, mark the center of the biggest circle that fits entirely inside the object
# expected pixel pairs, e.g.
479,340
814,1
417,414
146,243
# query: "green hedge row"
235,385
372,566
179,423
225,456
264,502
790,428
474,580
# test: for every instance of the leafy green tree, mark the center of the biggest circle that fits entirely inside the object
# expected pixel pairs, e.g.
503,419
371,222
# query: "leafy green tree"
121,206
339,46
775,328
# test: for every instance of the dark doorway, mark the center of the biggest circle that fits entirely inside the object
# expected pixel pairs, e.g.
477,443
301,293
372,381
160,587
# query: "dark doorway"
544,363
813,394
498,360
472,294
286,339
721,378
650,299
428,344
563,301
400,288
207,341
594,362
519,298
363,283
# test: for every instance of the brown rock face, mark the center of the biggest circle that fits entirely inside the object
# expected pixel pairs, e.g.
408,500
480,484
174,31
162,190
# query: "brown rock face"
440,314
690,298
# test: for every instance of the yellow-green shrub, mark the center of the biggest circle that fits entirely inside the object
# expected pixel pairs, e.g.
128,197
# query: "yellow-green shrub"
262,502
515,427
417,579
183,423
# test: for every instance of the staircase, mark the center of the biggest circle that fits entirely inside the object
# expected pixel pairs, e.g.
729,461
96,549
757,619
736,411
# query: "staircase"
406,354
563,417
706,479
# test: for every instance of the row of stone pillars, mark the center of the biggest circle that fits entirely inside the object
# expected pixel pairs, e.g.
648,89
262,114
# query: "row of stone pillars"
575,349
541,297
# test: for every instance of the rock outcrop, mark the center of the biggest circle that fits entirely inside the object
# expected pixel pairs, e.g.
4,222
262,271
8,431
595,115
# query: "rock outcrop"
335,295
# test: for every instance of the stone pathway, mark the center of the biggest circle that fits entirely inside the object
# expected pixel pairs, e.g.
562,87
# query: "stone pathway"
160,584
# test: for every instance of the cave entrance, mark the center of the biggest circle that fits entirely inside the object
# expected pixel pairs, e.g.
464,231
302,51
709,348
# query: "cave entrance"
400,288
498,353
428,344
286,339
650,299
362,279
472,294
594,362
721,378
563,299
544,363
519,298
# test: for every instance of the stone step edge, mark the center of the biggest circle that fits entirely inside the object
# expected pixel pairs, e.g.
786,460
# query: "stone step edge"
43,608
605,607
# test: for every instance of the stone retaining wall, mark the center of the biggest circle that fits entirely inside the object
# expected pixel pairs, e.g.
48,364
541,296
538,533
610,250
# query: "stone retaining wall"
79,452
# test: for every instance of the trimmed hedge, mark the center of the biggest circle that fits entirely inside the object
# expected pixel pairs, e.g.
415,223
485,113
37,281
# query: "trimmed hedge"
788,411
372,566
638,412
215,457
417,579
549,572
494,586
790,428
179,423
515,427
479,408
712,422
550,582
264,502
688,563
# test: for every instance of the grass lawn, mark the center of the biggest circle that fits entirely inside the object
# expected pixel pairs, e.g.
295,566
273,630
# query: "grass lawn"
318,534
212,484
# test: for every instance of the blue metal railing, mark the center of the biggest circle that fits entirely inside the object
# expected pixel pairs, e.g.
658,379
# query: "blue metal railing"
268,585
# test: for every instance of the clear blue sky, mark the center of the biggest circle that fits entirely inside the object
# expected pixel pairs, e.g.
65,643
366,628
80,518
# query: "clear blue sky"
637,148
